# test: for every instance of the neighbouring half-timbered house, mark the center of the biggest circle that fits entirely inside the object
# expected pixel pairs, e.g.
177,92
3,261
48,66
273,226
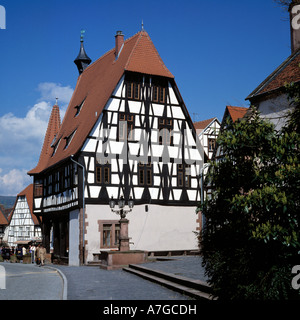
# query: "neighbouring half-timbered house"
24,227
208,131
126,133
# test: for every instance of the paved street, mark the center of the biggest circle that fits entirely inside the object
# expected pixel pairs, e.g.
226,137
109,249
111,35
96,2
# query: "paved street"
96,284
92,283
24,281
30,282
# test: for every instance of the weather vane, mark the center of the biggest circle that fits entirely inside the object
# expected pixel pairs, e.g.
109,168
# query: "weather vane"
82,32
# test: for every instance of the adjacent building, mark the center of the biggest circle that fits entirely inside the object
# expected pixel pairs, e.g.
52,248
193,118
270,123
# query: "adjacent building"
270,96
208,131
24,226
3,224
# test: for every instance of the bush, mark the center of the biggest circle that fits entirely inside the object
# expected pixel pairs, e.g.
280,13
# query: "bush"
251,239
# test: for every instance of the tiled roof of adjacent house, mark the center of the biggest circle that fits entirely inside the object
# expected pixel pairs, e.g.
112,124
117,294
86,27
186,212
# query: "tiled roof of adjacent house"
287,72
201,125
3,220
93,90
234,112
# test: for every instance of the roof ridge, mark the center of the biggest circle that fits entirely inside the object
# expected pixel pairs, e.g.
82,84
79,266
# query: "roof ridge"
237,107
205,120
107,53
133,49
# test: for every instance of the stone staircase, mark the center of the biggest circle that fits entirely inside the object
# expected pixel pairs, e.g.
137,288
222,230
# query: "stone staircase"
196,289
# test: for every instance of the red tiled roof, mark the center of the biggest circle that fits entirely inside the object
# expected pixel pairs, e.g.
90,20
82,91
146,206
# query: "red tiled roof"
3,220
235,112
95,86
144,58
52,130
201,125
287,72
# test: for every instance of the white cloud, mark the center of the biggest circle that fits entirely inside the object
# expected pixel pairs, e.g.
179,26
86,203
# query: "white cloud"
21,139
14,182
50,91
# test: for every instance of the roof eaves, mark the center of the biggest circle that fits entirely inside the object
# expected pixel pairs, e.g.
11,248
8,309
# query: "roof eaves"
272,76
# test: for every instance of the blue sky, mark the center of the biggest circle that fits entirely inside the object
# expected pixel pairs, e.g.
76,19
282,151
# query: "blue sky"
219,51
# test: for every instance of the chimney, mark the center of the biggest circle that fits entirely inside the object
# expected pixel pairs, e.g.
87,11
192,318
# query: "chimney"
294,10
119,42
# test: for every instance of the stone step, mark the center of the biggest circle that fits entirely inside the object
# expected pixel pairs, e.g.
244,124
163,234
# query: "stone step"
193,288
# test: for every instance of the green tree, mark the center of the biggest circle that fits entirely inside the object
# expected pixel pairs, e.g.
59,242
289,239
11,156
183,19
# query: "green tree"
251,238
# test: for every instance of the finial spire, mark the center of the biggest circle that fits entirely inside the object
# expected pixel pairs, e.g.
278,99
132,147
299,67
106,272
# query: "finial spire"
142,25
82,60
56,99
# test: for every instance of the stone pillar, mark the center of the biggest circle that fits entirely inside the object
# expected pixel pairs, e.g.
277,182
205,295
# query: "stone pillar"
124,239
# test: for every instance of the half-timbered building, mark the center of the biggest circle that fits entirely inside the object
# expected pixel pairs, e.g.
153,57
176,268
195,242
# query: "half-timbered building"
208,131
126,133
24,226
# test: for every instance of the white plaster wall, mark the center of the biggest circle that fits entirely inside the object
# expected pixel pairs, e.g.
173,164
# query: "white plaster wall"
161,228
74,238
275,110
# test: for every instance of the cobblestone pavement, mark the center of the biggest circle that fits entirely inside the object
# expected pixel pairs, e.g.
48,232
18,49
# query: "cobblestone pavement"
30,282
93,283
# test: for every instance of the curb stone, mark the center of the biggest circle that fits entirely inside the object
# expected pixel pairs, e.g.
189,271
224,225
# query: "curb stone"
65,282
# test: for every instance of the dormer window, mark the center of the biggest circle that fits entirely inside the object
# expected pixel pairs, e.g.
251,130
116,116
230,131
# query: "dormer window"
79,107
55,145
69,138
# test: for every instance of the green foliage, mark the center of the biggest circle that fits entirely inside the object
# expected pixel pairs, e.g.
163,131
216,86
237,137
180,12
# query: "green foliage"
251,239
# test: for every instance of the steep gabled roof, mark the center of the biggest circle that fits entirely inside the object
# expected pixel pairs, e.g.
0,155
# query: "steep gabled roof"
201,125
51,132
28,193
287,72
93,90
235,113
144,58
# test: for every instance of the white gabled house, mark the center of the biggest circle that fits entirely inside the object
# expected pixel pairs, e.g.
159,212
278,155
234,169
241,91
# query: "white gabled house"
24,226
126,133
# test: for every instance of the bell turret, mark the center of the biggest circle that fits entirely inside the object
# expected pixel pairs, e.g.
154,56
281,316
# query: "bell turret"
82,60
